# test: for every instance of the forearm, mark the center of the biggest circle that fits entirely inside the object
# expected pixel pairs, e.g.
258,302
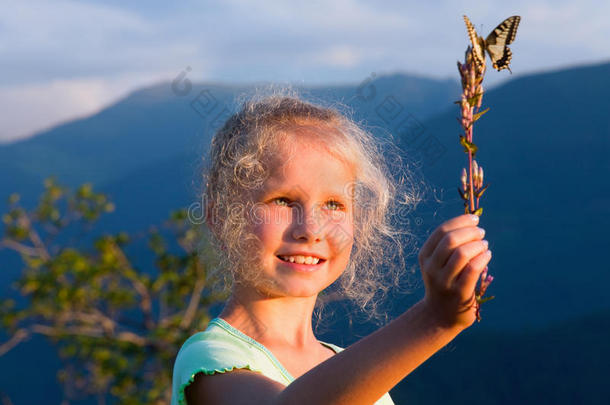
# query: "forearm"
363,372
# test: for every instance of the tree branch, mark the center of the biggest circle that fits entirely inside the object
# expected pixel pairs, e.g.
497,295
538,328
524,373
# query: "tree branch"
18,337
96,318
129,337
35,238
191,310
19,247
146,303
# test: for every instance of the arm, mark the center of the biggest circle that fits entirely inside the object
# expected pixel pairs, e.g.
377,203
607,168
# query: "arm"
369,368
451,261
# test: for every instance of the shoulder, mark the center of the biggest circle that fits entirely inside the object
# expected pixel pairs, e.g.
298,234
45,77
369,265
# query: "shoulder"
211,346
235,387
208,352
215,351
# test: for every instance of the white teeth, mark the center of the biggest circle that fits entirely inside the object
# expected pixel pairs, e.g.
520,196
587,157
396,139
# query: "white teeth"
301,259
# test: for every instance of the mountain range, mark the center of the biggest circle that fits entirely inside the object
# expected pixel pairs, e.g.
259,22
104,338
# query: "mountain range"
544,146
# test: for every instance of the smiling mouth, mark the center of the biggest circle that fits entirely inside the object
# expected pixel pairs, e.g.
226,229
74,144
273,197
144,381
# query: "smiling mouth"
294,260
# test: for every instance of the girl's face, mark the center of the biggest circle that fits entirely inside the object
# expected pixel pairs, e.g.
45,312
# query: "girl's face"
304,220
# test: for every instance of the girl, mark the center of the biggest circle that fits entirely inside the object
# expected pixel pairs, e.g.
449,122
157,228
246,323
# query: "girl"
299,198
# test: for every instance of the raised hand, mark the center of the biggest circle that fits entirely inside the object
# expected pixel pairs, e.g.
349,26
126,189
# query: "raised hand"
451,261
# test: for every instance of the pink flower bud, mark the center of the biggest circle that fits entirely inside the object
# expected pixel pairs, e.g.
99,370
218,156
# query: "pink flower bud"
475,172
480,177
464,178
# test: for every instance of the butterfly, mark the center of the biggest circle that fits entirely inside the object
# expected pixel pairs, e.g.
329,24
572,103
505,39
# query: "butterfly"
496,43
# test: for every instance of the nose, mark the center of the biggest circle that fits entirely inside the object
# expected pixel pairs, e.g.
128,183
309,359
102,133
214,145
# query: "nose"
307,224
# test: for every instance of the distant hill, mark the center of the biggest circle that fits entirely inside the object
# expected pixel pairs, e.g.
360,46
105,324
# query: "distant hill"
158,123
561,364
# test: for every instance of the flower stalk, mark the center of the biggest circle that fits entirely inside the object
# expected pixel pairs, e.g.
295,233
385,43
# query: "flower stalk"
472,187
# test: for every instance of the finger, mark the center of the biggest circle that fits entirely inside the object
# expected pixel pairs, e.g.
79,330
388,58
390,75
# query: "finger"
450,242
454,223
466,281
460,259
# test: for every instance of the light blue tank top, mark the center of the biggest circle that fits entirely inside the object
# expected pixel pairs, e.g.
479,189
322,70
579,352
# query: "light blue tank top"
221,348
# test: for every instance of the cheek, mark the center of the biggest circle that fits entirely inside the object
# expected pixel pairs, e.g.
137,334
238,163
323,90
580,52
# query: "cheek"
268,215
342,236
268,228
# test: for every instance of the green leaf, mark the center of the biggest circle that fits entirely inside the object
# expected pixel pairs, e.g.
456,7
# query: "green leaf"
466,210
122,238
50,181
479,211
481,191
84,191
479,114
464,197
13,198
483,300
468,146
474,100
178,215
16,232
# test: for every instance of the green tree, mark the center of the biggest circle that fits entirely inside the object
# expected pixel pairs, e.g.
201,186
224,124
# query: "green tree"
117,328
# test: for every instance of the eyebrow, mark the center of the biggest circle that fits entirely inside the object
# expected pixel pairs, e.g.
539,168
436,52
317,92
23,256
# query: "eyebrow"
331,194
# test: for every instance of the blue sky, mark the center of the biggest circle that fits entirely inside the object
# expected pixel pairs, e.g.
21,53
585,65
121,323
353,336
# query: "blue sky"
64,59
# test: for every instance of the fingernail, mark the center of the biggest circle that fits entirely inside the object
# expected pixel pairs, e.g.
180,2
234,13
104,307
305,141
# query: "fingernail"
486,243
475,218
481,231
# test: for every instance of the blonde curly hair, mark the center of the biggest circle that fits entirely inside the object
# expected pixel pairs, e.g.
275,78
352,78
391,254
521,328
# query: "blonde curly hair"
239,161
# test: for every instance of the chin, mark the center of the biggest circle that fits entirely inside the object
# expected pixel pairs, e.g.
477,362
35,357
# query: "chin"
277,289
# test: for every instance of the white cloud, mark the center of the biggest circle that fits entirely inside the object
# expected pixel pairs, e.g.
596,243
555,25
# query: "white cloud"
338,55
92,46
42,39
27,109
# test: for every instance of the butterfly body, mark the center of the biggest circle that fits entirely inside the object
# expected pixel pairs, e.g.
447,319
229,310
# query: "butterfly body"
496,43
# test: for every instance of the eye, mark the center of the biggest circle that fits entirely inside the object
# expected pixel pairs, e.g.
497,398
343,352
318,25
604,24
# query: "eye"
282,201
335,205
